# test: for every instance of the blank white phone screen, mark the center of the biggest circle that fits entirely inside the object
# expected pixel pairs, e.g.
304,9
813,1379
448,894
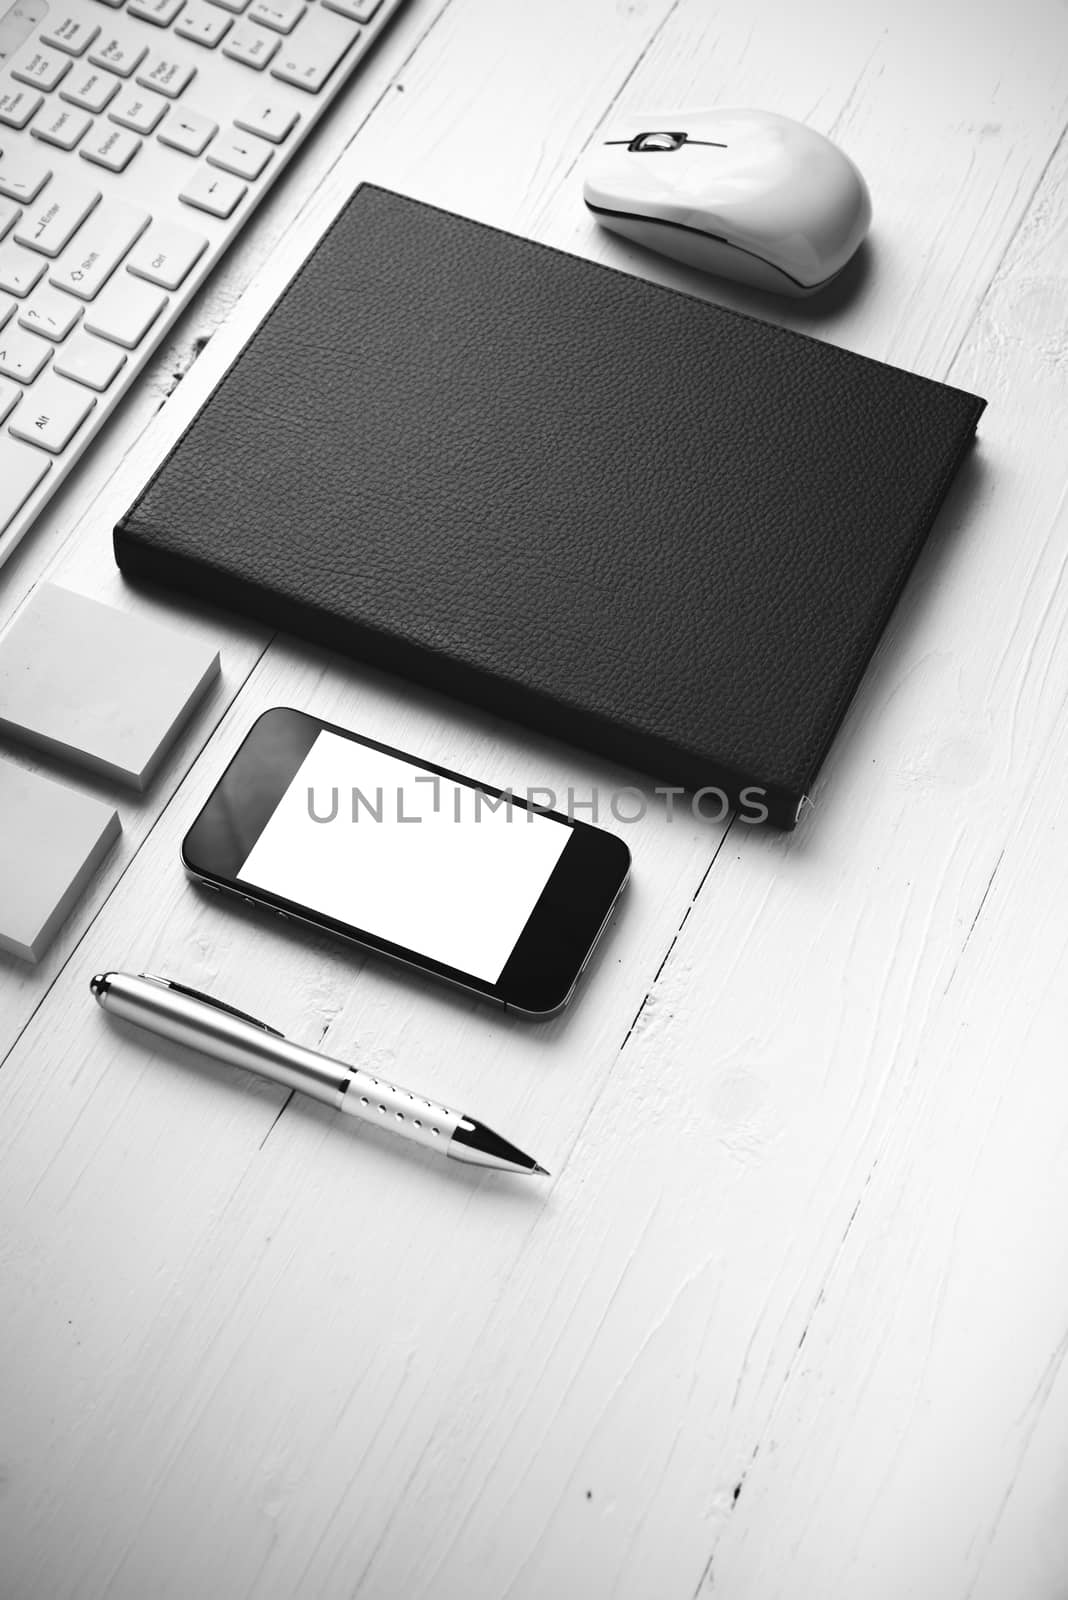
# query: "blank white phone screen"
399,852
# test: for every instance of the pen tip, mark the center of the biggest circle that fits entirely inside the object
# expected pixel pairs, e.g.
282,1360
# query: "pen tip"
543,1171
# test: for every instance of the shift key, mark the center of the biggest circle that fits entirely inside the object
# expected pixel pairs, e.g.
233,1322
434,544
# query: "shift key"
125,311
110,232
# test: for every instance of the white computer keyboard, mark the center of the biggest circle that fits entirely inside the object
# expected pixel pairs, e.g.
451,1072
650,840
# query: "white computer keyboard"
136,136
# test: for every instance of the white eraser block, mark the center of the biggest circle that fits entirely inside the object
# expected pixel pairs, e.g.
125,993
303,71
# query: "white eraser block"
102,687
52,839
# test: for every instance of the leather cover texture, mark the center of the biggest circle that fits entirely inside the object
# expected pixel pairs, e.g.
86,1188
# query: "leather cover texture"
662,530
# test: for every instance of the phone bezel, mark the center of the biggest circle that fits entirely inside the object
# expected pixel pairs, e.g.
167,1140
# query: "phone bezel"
543,968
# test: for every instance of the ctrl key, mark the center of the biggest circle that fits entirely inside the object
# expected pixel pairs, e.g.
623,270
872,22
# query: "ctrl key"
166,255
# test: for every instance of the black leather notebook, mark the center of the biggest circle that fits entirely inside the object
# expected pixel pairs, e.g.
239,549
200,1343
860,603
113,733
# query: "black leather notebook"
664,531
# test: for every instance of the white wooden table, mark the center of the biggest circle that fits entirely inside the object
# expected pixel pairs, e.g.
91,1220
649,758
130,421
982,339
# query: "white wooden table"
791,1318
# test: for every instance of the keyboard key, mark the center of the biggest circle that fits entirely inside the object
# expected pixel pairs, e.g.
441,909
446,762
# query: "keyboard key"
281,15
42,69
167,254
22,355
189,132
98,249
161,12
203,24
214,192
137,110
91,361
53,221
70,32
50,313
125,311
63,127
10,395
91,89
234,6
9,215
17,105
20,269
21,470
252,46
53,414
271,119
115,4
118,52
167,76
7,306
240,153
23,176
355,10
308,59
112,148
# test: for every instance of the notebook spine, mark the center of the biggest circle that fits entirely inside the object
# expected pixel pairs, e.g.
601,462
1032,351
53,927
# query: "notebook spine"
714,790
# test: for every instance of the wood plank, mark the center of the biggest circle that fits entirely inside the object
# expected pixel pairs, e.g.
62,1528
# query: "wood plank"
919,1466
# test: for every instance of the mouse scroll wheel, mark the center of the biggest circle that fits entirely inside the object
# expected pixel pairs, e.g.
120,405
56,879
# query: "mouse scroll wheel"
651,142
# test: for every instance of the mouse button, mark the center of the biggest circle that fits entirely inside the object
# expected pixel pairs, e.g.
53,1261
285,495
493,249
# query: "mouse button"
813,194
726,127
617,181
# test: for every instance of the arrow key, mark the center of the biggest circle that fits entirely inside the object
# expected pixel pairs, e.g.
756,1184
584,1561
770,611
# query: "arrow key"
213,192
242,154
188,132
271,119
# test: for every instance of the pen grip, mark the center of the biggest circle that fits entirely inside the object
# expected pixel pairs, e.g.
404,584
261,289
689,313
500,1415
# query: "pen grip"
386,1104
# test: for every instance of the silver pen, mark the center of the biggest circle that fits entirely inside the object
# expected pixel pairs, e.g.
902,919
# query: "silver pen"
194,1019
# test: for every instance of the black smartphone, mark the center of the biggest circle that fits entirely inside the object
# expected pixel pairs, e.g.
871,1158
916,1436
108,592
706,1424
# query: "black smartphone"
457,878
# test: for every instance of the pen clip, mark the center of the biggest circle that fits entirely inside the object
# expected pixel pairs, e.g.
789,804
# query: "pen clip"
209,1000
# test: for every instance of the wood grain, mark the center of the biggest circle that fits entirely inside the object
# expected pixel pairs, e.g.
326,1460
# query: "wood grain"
791,1317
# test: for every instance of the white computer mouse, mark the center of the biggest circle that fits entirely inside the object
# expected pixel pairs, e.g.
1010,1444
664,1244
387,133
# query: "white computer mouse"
744,194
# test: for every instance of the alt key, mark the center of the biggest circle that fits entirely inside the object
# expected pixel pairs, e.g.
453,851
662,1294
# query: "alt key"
54,414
